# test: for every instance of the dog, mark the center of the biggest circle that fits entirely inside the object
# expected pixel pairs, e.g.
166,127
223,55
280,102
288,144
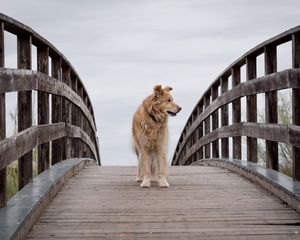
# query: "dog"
150,135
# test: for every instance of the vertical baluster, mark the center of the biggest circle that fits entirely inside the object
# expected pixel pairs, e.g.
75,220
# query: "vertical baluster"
271,108
236,113
24,108
43,107
74,117
207,125
215,123
80,119
224,118
67,111
296,104
57,146
2,121
200,131
85,148
251,110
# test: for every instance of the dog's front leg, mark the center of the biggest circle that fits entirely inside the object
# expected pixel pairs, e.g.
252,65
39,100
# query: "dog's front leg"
145,169
162,164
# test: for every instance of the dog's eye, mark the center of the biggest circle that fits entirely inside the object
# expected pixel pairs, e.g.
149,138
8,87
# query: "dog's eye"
169,100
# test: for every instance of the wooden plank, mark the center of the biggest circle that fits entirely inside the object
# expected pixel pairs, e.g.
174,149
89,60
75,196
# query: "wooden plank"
200,131
12,80
296,104
207,127
24,108
272,132
43,108
74,116
236,114
3,183
66,111
16,146
117,209
271,108
57,146
224,119
215,123
251,102
80,119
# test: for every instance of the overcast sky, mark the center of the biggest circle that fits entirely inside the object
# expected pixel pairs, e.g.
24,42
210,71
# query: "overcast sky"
122,48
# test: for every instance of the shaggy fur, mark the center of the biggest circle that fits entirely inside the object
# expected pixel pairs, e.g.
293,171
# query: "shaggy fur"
150,135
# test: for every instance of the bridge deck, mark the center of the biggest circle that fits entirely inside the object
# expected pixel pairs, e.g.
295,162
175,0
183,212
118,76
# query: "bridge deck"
202,202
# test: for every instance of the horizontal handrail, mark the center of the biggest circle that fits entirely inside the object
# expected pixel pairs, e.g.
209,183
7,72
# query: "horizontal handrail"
16,146
12,80
284,133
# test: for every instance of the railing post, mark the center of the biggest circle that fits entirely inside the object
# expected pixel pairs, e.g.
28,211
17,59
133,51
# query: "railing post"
67,111
57,146
251,110
200,131
74,118
2,121
43,107
207,125
24,108
271,108
296,104
224,119
80,119
236,112
215,123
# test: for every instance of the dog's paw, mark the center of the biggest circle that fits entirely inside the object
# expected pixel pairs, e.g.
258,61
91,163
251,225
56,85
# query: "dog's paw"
163,183
138,179
146,183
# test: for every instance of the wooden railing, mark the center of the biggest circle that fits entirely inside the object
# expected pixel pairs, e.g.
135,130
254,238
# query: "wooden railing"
70,126
205,129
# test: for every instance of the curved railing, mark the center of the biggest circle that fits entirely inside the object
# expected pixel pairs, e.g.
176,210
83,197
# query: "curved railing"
206,126
67,121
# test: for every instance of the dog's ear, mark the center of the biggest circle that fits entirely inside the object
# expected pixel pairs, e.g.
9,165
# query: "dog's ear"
168,89
158,90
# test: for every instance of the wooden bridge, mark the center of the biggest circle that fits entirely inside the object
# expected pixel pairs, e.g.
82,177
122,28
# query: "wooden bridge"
215,195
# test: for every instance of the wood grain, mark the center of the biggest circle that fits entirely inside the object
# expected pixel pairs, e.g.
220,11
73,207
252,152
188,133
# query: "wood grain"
202,203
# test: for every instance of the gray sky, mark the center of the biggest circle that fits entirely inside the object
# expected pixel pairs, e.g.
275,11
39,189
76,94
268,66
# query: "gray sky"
121,49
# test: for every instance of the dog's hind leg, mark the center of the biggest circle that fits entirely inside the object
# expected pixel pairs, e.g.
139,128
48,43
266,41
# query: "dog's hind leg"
145,161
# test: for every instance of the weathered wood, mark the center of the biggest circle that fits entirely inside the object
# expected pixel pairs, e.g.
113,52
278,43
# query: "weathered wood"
207,127
119,209
2,121
57,145
16,146
271,107
296,104
224,119
43,108
24,108
251,109
236,114
215,123
286,79
74,116
80,119
289,134
66,111
200,132
12,80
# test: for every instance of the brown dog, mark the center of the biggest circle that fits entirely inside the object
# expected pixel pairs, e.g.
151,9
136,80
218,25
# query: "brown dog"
150,135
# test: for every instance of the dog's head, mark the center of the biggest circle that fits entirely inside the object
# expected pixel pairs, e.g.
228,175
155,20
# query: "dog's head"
164,101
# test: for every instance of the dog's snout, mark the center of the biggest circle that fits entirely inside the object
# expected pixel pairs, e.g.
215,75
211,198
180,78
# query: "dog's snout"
179,108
